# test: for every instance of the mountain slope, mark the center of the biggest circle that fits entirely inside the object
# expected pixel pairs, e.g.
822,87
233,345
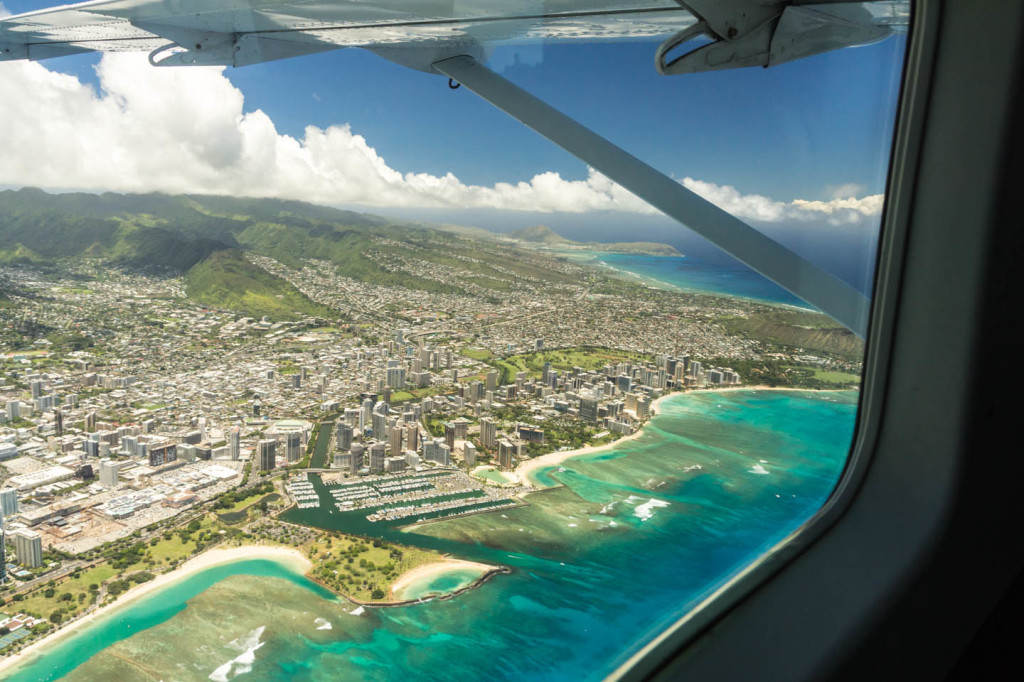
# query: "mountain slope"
178,232
226,279
541,234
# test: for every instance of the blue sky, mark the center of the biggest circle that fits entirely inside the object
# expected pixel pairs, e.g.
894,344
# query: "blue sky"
786,132
793,131
799,150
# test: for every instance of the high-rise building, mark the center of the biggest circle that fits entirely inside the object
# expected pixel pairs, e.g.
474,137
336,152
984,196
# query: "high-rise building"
37,389
90,422
357,457
461,428
449,435
109,473
234,443
396,377
267,454
352,416
469,453
130,445
29,546
505,451
436,450
367,415
8,501
13,410
378,452
395,435
58,421
293,446
488,433
380,425
492,381
643,407
343,436
412,436
531,434
588,410
162,453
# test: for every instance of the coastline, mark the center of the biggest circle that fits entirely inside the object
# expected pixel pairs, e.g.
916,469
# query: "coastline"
595,259
527,469
208,559
433,570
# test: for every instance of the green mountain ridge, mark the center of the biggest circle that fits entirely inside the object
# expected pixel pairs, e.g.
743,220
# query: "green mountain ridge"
226,279
182,233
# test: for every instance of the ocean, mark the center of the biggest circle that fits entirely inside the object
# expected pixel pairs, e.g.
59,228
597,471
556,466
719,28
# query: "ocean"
627,542
696,274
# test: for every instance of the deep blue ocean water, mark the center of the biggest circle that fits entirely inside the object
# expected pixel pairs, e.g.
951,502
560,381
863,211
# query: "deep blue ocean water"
695,274
628,542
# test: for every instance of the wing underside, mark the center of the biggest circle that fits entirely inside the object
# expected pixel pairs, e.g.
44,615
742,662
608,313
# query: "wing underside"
240,32
295,27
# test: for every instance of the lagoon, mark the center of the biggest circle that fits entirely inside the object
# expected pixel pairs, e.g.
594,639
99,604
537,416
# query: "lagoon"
629,540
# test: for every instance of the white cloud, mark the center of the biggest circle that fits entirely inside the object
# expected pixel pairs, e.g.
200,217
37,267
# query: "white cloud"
847,191
4,12
184,130
760,209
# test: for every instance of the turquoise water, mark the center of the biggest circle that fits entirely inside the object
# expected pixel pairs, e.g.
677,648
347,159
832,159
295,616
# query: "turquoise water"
691,273
442,584
631,540
149,611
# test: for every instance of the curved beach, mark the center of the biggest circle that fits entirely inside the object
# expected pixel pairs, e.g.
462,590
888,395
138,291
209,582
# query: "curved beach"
213,557
435,570
528,469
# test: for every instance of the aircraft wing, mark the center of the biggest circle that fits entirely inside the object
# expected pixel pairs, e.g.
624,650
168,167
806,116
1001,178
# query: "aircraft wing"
241,32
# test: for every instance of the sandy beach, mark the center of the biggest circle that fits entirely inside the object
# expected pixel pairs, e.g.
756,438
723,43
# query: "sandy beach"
434,569
526,470
205,560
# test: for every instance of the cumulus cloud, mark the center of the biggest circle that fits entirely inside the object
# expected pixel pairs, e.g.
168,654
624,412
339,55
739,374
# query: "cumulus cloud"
184,130
761,209
850,189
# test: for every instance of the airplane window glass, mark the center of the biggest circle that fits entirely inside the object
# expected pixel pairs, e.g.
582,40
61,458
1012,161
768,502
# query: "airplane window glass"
490,350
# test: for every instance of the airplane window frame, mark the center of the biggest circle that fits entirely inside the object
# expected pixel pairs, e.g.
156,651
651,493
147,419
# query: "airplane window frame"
916,81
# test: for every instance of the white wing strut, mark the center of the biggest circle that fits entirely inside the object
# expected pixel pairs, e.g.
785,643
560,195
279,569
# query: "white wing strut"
828,293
